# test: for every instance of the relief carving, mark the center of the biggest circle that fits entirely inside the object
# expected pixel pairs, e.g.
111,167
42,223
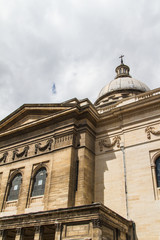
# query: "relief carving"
115,141
18,154
40,148
4,157
152,130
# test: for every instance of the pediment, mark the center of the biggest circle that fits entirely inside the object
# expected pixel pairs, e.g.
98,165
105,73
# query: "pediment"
30,113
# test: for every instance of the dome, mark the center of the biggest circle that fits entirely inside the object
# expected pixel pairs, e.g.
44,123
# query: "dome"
123,83
122,86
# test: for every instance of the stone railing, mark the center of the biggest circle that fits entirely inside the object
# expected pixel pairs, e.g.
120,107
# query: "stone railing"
130,100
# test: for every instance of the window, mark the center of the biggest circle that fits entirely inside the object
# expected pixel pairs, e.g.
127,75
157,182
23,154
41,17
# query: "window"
14,188
158,172
39,182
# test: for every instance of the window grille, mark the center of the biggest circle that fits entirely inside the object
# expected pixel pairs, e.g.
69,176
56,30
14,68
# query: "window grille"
14,188
39,182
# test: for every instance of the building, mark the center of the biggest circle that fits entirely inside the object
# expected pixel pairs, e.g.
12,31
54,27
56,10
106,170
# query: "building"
78,170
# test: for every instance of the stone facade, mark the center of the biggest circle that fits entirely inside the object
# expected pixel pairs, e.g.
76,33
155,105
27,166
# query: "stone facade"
60,139
99,163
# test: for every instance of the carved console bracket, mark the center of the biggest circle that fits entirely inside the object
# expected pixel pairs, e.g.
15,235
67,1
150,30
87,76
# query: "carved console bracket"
97,223
48,146
150,130
18,154
4,157
115,141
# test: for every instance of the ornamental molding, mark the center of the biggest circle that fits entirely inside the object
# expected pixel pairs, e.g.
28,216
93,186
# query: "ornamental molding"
4,157
23,153
39,147
115,142
152,130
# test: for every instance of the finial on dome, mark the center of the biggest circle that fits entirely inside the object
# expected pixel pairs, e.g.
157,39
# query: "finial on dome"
121,58
122,70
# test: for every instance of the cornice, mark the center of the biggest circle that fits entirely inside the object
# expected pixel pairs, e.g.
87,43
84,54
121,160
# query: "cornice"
64,215
74,107
139,102
69,113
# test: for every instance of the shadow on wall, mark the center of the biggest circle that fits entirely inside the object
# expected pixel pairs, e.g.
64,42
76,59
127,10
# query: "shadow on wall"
104,154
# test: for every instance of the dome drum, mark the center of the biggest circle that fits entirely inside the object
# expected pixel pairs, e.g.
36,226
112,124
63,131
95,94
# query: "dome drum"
121,87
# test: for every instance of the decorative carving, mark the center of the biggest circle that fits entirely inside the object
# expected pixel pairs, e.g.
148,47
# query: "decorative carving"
21,154
4,157
96,223
115,141
43,148
150,130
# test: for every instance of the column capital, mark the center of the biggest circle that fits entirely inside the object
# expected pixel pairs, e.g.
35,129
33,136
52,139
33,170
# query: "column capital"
37,229
19,231
97,223
1,233
59,226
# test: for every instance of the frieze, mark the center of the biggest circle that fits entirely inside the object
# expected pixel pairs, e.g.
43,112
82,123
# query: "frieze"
152,130
18,154
36,148
115,142
4,157
39,147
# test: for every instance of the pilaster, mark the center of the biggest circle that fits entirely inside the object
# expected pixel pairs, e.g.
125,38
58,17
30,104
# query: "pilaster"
58,232
18,234
2,235
97,229
37,234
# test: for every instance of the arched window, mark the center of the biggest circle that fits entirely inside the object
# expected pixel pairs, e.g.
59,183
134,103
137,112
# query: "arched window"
158,171
14,188
39,181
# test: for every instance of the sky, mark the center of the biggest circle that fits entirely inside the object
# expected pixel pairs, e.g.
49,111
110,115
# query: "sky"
55,50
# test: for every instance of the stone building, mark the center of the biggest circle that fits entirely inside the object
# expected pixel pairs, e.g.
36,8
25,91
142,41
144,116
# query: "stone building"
78,170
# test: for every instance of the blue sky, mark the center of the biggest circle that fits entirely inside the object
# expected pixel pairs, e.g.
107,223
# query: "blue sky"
74,44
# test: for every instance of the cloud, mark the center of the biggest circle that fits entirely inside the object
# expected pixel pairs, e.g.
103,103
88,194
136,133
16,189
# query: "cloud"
75,45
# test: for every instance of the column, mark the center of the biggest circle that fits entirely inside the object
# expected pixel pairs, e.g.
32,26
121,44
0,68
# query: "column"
97,231
37,234
18,234
153,169
2,235
58,232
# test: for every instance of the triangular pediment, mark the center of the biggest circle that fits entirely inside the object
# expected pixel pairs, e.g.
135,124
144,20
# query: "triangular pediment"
30,113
